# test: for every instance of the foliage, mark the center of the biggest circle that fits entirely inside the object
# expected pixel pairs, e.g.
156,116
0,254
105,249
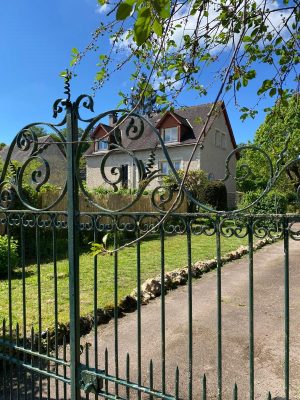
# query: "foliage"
215,194
281,128
102,190
177,42
207,192
4,247
273,202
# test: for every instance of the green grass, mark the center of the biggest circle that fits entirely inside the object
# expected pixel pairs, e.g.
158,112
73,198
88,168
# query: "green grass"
203,247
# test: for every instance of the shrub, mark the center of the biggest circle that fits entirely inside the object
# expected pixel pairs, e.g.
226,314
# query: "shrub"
272,203
14,258
213,193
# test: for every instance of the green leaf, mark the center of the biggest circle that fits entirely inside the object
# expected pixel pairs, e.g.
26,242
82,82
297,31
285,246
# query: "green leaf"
162,7
247,39
123,11
272,92
157,27
142,26
75,51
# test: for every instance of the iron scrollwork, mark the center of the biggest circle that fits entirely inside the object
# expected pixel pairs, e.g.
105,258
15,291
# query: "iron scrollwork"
129,129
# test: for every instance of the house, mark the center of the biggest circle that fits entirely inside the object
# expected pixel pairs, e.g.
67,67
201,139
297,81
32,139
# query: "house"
48,150
180,129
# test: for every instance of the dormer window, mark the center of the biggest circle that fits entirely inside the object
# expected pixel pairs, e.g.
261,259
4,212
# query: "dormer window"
102,145
170,135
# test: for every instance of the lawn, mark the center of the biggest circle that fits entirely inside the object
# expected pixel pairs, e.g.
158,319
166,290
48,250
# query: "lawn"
203,247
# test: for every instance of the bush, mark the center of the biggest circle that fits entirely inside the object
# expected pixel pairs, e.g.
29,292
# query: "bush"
14,258
213,193
272,203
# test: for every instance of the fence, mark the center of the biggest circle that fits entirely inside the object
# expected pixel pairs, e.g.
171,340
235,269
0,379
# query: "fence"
48,303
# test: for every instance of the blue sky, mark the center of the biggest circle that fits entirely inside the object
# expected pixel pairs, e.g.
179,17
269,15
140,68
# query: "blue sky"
36,39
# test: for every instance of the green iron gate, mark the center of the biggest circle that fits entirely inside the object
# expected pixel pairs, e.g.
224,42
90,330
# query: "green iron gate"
47,360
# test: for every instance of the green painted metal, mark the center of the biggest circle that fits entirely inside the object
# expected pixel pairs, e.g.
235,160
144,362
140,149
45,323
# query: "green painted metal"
38,363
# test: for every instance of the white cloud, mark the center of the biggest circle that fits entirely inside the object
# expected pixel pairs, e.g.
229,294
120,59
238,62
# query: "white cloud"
275,21
103,9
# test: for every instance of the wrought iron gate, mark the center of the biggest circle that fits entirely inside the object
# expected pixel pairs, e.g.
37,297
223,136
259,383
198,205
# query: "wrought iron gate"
40,361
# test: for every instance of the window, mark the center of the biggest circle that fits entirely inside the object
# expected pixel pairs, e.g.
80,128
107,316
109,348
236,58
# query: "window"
102,145
170,135
220,139
166,169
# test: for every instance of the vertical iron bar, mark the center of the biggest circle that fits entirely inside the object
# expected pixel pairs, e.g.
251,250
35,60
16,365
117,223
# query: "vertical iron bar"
116,308
151,378
65,368
9,277
39,294
22,237
139,315
204,390
73,249
87,363
106,369
177,383
95,305
4,361
286,309
32,363
127,376
219,306
235,392
163,310
48,365
190,311
55,289
251,309
18,357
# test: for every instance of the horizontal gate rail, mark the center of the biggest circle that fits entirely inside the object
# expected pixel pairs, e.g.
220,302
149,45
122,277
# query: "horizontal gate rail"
30,368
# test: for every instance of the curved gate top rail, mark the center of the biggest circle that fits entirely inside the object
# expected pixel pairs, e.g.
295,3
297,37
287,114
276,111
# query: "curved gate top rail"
37,171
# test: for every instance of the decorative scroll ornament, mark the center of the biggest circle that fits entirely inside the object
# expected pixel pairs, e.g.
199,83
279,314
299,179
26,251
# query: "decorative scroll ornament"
18,180
130,133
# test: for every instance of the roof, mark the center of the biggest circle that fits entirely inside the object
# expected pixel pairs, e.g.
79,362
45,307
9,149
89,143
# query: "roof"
51,152
193,117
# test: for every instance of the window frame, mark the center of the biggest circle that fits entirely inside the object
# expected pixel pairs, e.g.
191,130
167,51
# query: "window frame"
220,139
169,171
171,128
102,142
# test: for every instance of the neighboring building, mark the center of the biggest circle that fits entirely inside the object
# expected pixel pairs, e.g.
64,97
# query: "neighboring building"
52,153
180,130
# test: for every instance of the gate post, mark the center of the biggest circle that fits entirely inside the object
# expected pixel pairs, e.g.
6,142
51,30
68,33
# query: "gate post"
73,247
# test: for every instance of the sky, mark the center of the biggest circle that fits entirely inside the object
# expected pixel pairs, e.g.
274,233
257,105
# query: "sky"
36,39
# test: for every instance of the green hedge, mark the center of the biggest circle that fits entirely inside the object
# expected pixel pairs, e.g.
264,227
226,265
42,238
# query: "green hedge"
272,203
212,193
14,257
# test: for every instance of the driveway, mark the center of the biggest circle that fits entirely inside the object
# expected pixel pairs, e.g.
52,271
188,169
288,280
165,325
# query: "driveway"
269,330
269,333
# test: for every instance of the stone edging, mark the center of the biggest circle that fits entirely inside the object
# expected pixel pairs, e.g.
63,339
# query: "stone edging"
151,289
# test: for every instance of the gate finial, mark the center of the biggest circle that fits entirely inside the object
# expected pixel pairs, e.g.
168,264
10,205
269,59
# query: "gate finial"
67,85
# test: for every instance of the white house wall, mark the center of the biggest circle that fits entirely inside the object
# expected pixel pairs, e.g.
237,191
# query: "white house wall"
213,158
176,153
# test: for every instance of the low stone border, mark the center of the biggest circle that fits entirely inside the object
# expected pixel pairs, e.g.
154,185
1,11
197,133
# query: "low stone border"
151,289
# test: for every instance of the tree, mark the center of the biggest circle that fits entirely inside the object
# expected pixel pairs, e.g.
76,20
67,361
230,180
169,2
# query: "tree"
279,137
143,98
175,42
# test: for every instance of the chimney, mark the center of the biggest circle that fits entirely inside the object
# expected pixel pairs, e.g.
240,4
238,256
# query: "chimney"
112,118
